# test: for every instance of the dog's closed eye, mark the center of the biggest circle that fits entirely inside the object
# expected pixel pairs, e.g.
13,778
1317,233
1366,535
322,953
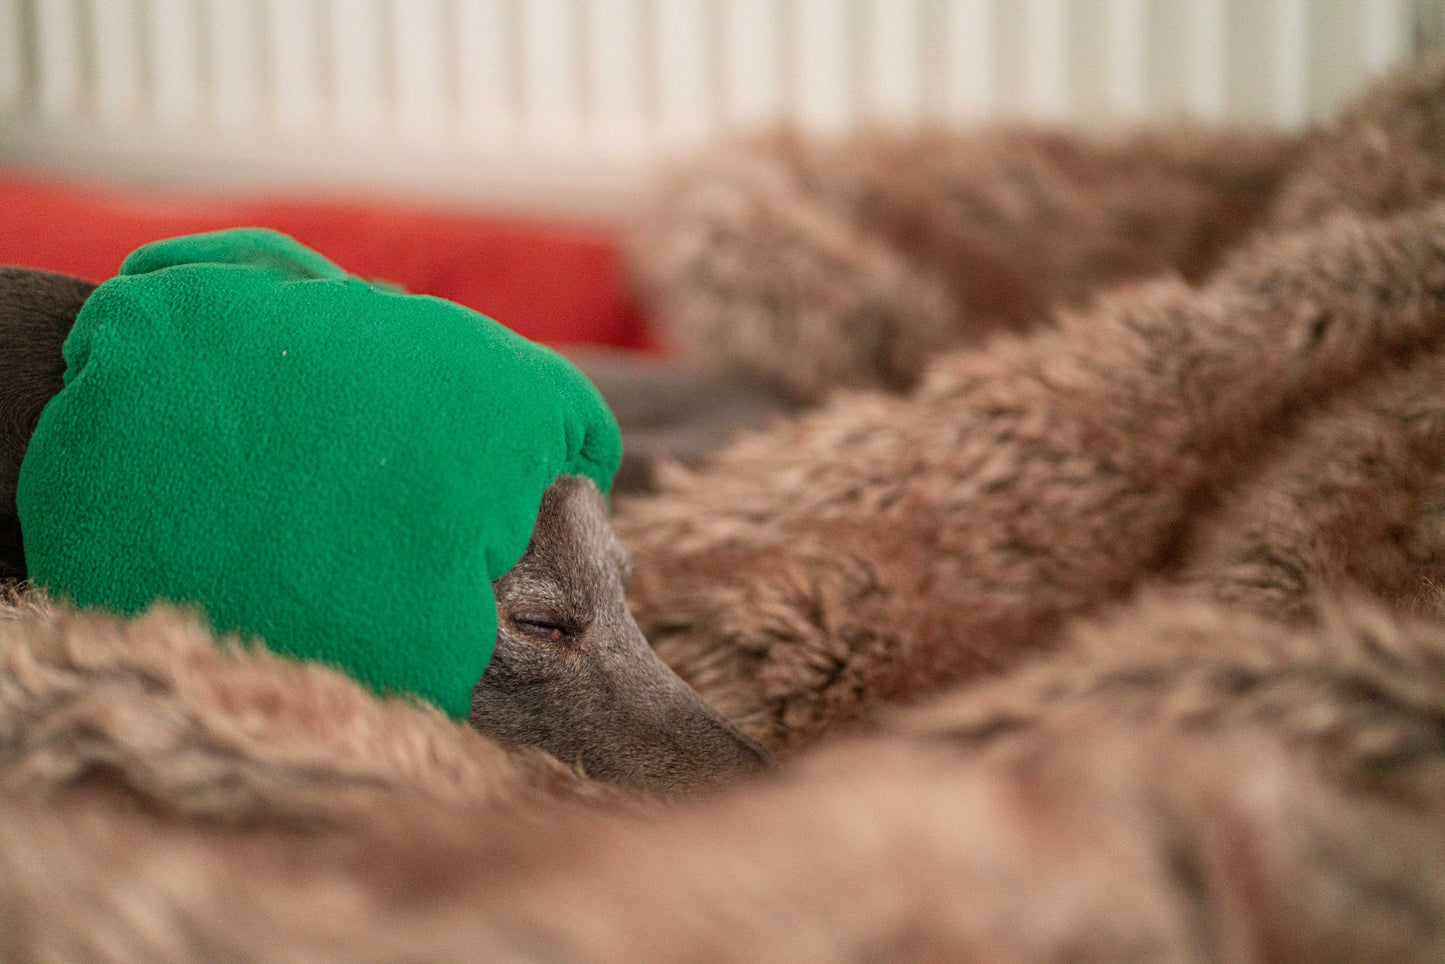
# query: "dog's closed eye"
551,627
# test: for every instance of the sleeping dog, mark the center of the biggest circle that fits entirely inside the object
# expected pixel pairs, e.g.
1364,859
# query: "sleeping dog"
571,672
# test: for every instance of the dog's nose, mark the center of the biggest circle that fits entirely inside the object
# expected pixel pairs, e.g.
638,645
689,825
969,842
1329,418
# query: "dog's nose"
756,757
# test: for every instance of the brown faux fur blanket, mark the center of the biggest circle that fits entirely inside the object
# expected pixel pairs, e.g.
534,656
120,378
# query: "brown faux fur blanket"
1183,784
1129,515
1264,434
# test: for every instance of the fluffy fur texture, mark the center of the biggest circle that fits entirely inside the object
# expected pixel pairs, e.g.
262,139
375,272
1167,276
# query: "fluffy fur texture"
1350,496
1184,785
203,729
881,547
1265,434
817,265
1384,154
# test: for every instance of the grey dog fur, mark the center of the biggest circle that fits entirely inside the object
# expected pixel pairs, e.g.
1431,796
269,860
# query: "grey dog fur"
573,674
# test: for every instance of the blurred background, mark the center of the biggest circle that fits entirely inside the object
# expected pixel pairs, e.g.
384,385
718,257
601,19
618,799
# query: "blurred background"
561,105
493,151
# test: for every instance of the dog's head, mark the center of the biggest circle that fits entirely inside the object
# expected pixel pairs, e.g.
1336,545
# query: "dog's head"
573,674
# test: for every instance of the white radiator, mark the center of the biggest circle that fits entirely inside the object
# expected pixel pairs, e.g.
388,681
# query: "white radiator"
562,103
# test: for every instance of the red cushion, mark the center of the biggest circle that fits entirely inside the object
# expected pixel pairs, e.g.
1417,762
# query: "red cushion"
552,281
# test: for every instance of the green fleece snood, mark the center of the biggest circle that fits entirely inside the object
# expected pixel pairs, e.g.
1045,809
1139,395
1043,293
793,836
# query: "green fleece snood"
339,470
